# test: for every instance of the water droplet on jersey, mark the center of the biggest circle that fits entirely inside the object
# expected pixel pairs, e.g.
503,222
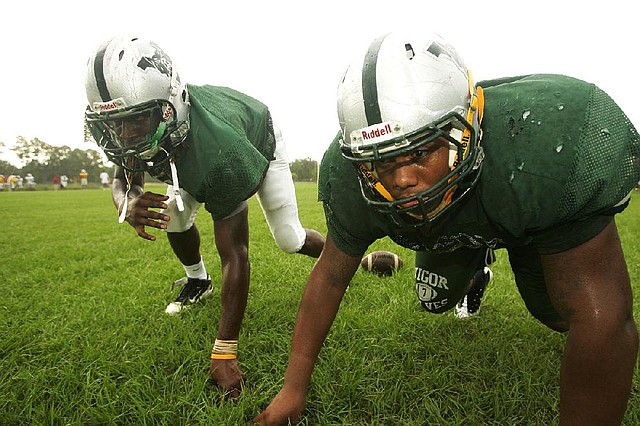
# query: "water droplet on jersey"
605,131
525,114
560,107
559,148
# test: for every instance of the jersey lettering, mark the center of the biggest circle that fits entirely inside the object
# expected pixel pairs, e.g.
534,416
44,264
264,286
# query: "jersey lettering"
427,284
433,306
431,278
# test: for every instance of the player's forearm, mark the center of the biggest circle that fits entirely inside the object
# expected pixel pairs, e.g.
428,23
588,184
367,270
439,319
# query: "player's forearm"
234,294
316,314
120,185
596,374
119,193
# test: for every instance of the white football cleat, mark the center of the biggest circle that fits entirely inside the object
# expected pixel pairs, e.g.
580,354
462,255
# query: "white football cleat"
469,305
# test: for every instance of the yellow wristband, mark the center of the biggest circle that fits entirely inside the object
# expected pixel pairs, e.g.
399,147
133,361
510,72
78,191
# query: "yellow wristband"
223,356
225,349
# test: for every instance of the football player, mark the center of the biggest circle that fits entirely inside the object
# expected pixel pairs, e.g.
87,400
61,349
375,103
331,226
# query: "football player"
211,145
537,165
84,179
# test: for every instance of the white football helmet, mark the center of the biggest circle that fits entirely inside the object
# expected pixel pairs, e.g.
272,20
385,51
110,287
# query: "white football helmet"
138,107
403,92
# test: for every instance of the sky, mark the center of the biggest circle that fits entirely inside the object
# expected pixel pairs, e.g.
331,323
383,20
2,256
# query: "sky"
292,54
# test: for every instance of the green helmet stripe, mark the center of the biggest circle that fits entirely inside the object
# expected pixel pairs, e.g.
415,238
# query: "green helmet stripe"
369,83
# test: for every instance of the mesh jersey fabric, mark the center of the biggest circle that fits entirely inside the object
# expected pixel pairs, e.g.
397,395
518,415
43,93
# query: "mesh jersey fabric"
559,155
230,144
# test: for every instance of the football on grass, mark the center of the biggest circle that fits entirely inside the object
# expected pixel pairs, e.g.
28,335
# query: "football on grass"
383,263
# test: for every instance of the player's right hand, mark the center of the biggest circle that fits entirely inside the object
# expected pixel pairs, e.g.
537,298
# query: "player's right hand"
226,374
285,409
139,216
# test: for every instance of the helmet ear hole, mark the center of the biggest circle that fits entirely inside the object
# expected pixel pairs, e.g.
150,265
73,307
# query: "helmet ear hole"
410,52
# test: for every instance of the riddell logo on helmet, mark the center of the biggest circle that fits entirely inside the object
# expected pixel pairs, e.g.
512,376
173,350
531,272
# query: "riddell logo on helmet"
375,132
107,106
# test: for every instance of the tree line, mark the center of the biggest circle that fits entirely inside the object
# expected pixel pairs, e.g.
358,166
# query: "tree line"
45,161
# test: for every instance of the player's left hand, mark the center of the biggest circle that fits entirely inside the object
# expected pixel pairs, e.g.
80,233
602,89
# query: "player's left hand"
226,374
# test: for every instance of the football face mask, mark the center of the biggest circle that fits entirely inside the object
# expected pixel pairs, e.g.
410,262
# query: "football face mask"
420,208
139,137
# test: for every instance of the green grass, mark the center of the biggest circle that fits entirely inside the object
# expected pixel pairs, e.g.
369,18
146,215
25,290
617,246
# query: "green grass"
84,339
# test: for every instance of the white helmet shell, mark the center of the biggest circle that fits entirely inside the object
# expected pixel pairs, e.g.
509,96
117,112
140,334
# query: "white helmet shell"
401,93
400,84
129,78
126,71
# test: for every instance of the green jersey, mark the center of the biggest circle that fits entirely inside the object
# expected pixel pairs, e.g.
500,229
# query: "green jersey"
228,150
560,156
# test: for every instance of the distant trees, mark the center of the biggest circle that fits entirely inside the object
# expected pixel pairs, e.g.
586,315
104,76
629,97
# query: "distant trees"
4,165
304,170
45,161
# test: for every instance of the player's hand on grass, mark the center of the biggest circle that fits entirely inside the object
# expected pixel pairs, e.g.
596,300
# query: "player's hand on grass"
226,374
286,408
139,214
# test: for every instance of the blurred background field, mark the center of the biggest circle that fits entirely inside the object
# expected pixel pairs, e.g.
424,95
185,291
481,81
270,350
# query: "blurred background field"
84,339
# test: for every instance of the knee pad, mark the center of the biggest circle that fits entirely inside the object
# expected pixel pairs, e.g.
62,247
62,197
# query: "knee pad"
288,238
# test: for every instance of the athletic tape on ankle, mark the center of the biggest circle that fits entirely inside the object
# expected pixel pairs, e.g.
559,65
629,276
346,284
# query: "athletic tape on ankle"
224,349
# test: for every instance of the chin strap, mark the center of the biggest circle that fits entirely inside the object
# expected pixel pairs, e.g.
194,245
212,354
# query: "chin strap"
155,139
480,95
125,204
374,182
123,212
474,116
176,184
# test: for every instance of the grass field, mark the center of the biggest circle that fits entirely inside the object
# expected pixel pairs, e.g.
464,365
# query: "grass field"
84,339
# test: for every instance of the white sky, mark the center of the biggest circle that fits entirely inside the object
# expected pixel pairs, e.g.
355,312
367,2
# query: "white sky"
291,54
